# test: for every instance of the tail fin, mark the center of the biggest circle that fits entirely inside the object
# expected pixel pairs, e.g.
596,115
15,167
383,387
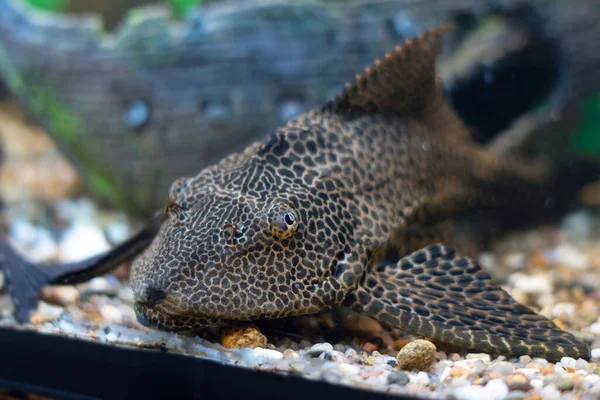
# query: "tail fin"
26,279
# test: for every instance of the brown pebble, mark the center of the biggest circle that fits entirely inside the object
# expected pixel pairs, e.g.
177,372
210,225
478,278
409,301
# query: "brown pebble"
418,354
369,347
238,337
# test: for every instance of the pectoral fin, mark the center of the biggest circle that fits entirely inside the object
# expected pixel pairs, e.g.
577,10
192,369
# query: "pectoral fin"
438,294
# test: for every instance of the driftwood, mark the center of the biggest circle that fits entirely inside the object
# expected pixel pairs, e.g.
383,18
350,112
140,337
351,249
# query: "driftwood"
159,99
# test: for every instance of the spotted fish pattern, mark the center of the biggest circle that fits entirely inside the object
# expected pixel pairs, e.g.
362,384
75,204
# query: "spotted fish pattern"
306,221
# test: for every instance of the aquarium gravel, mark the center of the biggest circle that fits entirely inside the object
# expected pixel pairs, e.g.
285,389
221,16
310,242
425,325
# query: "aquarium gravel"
555,269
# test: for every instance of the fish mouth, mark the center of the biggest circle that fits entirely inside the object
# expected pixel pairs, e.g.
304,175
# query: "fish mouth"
154,318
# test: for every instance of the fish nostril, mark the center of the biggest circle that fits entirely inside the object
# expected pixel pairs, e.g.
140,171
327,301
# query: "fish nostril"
153,296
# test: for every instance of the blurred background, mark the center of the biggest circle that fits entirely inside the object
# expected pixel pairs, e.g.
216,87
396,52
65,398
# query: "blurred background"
105,103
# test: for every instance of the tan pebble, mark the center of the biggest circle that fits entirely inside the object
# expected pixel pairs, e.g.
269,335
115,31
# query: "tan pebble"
559,324
457,372
238,337
547,370
570,369
518,382
289,353
418,354
111,314
538,259
62,295
536,397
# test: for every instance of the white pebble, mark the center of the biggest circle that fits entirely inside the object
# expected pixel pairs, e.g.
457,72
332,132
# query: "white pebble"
46,313
561,309
76,210
319,348
82,241
36,243
582,365
535,284
267,354
529,373
111,314
495,389
469,393
445,374
111,337
595,329
550,392
125,293
487,261
422,379
503,368
117,232
536,383
479,356
349,369
569,256
99,284
595,353
515,260
567,362
591,380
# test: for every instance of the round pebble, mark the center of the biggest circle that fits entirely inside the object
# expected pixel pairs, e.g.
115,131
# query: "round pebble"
111,314
518,382
422,378
80,241
470,393
317,349
564,383
418,354
502,369
496,389
398,378
550,392
61,295
45,313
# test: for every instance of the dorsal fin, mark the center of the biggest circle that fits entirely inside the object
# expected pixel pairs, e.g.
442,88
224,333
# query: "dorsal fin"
403,82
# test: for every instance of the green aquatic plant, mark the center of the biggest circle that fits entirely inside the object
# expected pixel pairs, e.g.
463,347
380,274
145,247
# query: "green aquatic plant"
586,140
49,5
181,7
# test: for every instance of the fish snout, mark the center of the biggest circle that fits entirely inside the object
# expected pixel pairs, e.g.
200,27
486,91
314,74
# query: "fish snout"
149,296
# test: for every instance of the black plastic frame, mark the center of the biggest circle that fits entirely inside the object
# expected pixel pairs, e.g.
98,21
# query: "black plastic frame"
66,368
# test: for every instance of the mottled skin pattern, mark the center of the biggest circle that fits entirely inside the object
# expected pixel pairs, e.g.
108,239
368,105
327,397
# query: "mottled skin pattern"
300,223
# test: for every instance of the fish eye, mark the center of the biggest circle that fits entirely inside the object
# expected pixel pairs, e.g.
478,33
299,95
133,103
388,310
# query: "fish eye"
289,218
283,222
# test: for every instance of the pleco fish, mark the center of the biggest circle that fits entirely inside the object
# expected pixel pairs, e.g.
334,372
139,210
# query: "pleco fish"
349,204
